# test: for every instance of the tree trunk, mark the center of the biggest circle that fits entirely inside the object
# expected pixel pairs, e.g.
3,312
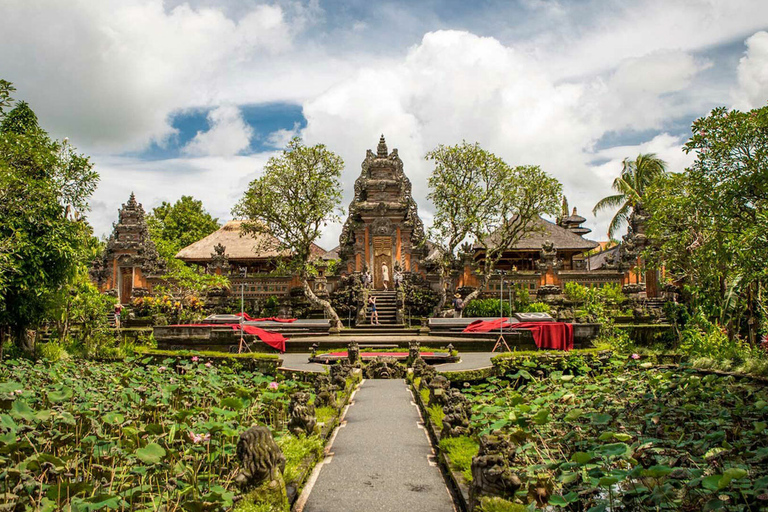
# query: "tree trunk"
482,286
326,305
441,302
22,339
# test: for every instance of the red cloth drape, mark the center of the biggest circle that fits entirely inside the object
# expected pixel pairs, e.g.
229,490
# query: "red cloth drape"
548,335
271,338
268,319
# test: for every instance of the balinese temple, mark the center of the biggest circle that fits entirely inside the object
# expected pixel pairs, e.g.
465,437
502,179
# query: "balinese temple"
383,224
251,261
130,265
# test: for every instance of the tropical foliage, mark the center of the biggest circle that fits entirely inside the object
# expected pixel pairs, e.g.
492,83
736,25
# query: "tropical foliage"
124,436
631,185
479,197
297,195
629,437
44,188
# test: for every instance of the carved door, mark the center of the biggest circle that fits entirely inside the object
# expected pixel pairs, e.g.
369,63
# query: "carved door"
126,284
382,253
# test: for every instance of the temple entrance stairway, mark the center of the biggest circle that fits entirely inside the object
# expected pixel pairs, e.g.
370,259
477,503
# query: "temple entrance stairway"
386,306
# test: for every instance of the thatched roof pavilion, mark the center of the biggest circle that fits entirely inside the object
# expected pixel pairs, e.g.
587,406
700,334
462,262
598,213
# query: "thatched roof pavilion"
239,248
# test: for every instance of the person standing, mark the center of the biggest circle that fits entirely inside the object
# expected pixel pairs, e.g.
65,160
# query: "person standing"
397,277
458,306
118,312
385,275
374,313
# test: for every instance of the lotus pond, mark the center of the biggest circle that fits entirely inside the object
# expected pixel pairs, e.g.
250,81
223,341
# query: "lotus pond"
631,437
86,436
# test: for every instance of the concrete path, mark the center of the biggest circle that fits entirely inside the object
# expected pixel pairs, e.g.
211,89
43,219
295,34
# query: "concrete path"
469,361
381,459
301,362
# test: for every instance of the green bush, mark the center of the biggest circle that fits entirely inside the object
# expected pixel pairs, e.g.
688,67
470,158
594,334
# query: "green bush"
536,307
496,504
51,351
486,308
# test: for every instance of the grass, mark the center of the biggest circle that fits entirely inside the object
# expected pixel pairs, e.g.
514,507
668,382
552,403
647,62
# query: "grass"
460,451
295,450
325,414
496,504
436,416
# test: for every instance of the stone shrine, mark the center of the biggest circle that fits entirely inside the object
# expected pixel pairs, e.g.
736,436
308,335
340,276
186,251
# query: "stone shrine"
130,261
383,224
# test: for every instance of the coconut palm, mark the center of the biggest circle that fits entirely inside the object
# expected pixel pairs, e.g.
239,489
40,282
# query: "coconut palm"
631,185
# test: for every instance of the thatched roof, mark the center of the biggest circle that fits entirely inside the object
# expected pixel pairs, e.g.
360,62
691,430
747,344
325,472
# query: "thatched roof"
563,238
240,248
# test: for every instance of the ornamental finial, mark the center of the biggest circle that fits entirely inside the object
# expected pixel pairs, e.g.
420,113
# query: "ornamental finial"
382,151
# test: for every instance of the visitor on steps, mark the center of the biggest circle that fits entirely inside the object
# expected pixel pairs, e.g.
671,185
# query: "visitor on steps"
397,277
118,312
374,313
367,281
385,275
458,306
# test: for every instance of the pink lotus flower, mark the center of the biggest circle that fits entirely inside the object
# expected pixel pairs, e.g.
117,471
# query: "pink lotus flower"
199,438
635,356
273,385
161,368
195,359
208,364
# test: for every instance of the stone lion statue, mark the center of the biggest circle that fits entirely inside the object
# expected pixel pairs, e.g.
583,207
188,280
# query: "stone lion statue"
260,457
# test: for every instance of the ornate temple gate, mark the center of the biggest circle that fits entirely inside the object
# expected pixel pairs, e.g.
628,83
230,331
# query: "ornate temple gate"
382,253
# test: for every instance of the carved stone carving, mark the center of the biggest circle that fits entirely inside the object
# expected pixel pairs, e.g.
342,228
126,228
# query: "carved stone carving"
353,353
413,351
339,373
548,257
384,368
325,395
302,414
260,457
424,371
438,389
491,472
382,227
457,413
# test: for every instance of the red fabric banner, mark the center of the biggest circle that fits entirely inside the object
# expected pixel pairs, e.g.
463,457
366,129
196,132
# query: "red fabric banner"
547,335
268,319
271,338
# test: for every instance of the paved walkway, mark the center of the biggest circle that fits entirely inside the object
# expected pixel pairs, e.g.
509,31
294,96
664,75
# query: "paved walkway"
469,361
301,362
380,460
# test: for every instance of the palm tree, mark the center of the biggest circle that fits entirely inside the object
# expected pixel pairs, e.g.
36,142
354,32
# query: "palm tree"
635,177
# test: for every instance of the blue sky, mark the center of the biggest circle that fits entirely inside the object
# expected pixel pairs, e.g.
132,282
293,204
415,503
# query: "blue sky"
192,97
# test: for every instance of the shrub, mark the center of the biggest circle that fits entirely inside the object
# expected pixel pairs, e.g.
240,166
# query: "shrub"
51,351
460,450
536,307
486,308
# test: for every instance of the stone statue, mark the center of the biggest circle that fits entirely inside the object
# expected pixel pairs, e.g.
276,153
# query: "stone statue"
260,457
457,413
384,368
491,472
339,374
424,371
413,351
325,396
438,388
353,353
302,414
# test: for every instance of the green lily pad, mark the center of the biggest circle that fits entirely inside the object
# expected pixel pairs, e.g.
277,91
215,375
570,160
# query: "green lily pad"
151,454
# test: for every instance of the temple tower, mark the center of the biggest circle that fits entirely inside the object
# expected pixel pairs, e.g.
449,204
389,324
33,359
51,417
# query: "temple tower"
130,259
383,224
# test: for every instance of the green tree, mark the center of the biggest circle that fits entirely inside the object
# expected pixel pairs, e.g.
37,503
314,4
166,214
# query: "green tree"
173,227
294,199
178,225
636,175
709,225
45,187
479,197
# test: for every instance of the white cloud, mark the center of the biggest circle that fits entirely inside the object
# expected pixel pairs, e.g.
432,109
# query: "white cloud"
280,138
218,181
228,134
753,74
